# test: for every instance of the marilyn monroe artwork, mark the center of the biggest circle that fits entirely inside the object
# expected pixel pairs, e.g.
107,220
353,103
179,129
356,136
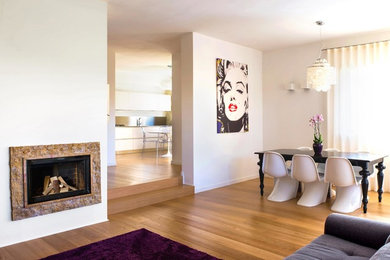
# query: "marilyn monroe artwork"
232,96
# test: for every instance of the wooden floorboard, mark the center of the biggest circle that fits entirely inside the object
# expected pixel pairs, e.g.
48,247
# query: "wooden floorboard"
127,203
136,168
233,222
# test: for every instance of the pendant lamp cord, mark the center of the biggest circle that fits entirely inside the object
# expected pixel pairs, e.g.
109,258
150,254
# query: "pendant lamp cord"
320,23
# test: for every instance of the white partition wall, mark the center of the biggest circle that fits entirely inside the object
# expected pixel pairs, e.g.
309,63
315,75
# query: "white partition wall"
287,113
213,160
111,157
53,90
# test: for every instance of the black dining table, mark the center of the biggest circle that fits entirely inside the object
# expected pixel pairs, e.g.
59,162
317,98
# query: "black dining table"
366,161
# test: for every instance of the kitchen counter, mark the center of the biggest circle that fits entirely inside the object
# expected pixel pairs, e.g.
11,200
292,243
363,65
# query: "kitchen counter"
130,138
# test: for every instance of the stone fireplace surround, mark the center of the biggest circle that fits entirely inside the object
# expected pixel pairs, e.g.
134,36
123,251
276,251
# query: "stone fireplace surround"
18,157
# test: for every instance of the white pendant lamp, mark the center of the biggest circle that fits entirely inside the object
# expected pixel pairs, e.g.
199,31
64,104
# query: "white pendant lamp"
320,76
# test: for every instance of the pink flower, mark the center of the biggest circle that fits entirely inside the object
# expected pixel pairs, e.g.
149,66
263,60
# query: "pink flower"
318,118
315,122
311,122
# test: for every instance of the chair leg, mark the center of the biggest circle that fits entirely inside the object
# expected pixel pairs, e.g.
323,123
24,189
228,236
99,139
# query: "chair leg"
285,188
314,194
348,199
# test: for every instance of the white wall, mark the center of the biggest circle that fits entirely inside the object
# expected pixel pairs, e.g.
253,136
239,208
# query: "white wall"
111,158
53,89
220,159
286,114
187,117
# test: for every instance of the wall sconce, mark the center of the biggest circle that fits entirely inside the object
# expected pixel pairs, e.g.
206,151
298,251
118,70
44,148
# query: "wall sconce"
291,86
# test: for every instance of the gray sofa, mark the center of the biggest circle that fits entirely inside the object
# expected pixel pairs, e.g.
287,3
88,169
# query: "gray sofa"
347,237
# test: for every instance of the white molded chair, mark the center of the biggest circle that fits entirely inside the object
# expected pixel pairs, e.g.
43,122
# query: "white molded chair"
321,166
302,148
304,169
339,172
285,187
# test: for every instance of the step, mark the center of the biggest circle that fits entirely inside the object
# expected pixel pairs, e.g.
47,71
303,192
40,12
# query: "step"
120,192
126,203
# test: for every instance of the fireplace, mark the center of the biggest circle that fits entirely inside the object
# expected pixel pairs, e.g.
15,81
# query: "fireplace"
56,178
52,178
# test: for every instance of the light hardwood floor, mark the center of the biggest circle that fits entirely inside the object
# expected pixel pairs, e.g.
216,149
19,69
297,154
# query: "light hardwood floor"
136,168
230,223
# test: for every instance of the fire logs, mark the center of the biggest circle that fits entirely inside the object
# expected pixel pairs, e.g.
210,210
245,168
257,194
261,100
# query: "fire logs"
56,184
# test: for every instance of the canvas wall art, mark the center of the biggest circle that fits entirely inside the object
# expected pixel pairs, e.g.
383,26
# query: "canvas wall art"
232,96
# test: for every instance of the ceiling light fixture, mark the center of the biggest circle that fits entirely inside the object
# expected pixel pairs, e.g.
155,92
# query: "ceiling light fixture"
320,76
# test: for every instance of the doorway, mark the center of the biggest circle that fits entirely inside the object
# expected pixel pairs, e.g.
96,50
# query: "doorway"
143,122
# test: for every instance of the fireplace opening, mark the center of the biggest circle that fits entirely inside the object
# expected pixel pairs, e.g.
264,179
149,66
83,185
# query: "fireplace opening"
57,178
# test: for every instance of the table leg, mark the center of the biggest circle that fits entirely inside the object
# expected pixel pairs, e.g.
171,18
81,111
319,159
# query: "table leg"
364,173
261,174
380,168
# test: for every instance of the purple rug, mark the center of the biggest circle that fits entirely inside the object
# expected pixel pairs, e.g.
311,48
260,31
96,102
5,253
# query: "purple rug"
139,244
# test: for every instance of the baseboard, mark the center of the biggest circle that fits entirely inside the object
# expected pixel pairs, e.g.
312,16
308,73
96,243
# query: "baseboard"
36,236
226,183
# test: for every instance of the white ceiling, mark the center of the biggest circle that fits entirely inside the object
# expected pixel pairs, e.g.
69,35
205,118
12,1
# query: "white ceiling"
147,30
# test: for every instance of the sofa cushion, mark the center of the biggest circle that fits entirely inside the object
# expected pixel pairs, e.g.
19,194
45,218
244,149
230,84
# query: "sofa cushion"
331,248
361,231
382,253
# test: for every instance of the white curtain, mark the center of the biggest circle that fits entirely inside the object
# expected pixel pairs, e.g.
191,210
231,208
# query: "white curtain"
359,103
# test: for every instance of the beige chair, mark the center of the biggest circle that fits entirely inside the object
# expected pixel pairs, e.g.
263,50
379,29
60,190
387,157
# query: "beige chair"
285,187
339,172
164,137
149,138
304,169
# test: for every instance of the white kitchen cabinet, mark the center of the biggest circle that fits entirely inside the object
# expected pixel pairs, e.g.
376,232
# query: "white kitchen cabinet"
126,100
128,132
131,138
